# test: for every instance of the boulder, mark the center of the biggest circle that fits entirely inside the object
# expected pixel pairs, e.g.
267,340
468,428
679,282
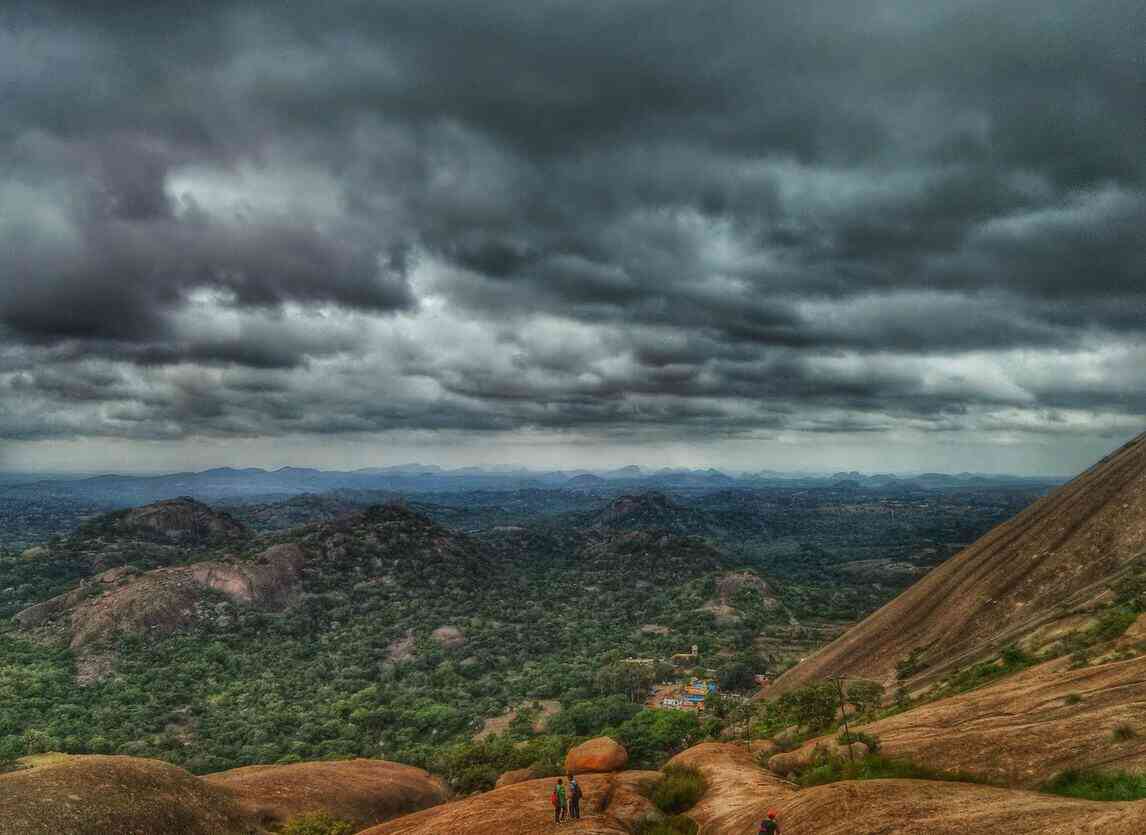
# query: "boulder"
764,748
859,750
60,794
363,792
784,764
450,637
597,755
518,775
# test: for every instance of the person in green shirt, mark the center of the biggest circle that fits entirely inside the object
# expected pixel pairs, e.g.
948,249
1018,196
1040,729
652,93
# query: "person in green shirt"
558,801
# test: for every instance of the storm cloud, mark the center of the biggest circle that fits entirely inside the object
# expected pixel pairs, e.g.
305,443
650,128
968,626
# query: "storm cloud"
617,222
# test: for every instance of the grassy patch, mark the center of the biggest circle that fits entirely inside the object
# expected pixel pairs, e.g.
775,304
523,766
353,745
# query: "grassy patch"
1072,698
870,740
1113,623
317,823
1098,785
876,767
1123,732
675,825
681,787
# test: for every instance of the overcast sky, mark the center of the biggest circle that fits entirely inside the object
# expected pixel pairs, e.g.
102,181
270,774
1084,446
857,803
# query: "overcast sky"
882,235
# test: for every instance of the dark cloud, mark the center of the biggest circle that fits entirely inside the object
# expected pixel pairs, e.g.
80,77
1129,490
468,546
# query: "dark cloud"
263,218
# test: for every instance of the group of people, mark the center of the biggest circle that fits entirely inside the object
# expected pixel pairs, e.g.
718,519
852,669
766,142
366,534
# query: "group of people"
566,804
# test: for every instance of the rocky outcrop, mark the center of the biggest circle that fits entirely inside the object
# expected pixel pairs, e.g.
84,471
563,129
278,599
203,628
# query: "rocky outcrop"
739,790
180,520
793,761
597,755
362,792
1024,728
740,793
613,804
1061,553
518,775
160,601
92,795
450,637
923,807
787,762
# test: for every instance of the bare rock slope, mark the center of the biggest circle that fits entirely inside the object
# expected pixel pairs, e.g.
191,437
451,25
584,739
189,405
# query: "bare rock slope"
741,793
362,792
613,804
159,601
1058,555
93,795
1023,729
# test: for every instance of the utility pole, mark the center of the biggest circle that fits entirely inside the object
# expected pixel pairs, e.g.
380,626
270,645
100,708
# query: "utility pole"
839,680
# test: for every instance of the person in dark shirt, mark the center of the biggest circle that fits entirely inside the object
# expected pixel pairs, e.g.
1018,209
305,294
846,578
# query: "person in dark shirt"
574,798
768,826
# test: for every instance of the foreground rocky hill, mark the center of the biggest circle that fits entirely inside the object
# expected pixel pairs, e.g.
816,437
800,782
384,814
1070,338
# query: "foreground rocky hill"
360,792
58,794
613,805
1064,554
1022,730
741,794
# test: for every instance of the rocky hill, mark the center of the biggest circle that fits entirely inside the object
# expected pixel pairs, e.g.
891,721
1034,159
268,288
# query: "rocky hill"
741,794
125,600
360,792
1062,556
94,795
1024,729
59,794
613,805
653,510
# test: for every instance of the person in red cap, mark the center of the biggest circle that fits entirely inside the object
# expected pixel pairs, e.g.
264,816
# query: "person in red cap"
768,826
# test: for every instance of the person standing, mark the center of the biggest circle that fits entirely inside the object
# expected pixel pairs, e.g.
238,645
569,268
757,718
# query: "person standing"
559,806
768,826
574,798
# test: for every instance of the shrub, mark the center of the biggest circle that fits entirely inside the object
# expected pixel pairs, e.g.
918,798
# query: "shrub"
1113,623
1072,698
910,665
680,789
675,825
876,767
317,823
870,740
865,695
1123,732
813,705
1098,785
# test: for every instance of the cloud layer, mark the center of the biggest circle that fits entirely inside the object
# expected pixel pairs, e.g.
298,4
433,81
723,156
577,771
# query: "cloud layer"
636,220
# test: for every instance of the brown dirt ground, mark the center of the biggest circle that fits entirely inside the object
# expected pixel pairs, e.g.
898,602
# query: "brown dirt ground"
1058,554
500,724
523,809
364,792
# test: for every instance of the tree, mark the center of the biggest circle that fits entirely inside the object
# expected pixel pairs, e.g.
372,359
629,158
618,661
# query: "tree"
813,705
736,676
865,695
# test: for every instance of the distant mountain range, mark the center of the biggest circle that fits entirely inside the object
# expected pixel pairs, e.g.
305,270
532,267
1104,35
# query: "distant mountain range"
223,483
